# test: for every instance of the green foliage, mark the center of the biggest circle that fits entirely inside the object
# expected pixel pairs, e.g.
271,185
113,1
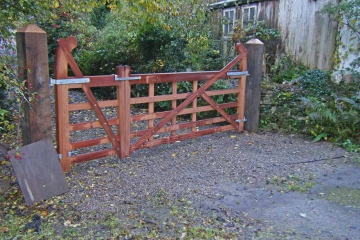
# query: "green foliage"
315,83
270,37
314,105
286,69
337,119
347,14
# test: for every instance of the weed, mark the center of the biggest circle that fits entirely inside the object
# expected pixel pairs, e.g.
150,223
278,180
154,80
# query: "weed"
292,183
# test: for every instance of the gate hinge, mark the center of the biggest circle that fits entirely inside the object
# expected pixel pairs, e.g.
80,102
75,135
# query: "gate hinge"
239,120
68,81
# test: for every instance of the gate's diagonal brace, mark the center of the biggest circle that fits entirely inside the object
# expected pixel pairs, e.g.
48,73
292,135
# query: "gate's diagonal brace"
90,96
189,100
219,109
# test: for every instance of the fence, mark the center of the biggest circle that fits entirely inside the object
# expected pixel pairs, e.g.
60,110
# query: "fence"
161,126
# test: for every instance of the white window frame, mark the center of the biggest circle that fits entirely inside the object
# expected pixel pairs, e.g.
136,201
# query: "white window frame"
228,22
243,15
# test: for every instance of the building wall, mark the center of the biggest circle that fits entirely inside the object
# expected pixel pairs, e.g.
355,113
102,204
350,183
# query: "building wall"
309,35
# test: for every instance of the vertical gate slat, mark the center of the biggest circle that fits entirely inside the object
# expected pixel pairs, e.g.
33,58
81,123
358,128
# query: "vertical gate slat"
242,89
151,107
194,105
173,105
124,113
62,125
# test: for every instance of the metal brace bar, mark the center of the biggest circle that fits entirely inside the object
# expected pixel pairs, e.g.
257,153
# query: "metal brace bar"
59,156
239,120
236,74
68,81
126,78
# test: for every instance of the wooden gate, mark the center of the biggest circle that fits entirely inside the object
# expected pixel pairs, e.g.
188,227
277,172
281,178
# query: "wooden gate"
162,127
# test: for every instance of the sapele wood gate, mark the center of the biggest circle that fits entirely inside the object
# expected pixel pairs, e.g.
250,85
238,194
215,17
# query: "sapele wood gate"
162,127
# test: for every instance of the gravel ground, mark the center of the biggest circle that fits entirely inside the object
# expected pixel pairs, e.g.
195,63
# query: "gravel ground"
228,185
199,174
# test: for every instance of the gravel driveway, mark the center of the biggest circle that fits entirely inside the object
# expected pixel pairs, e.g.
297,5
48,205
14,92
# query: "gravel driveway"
228,185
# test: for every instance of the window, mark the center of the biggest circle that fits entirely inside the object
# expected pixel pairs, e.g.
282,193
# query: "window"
248,16
229,21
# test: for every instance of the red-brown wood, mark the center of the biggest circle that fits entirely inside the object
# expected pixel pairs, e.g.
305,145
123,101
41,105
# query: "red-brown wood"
92,155
198,123
186,136
195,94
242,87
124,111
89,143
194,105
62,125
66,46
87,105
151,106
173,105
219,109
88,125
168,122
147,116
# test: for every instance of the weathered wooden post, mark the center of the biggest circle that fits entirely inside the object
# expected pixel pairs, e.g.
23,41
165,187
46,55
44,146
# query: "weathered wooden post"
253,84
32,52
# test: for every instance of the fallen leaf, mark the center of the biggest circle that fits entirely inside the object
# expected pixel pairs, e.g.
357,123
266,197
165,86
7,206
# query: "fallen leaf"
183,235
4,229
44,213
67,223
233,136
173,155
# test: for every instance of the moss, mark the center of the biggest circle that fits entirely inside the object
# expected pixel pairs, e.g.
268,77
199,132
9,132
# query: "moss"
344,196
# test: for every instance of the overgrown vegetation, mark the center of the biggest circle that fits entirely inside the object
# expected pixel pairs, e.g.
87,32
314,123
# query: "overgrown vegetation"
306,101
310,103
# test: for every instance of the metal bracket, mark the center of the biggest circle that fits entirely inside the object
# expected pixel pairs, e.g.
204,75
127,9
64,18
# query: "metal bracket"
126,78
239,120
237,74
59,156
68,81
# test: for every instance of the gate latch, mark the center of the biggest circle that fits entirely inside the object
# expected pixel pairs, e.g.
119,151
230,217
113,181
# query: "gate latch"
126,78
239,120
235,74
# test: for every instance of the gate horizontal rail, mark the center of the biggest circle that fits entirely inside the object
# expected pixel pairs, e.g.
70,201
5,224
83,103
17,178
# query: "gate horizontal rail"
158,127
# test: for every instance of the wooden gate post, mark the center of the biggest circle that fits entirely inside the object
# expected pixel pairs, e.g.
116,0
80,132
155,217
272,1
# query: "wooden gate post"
32,52
253,84
124,114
